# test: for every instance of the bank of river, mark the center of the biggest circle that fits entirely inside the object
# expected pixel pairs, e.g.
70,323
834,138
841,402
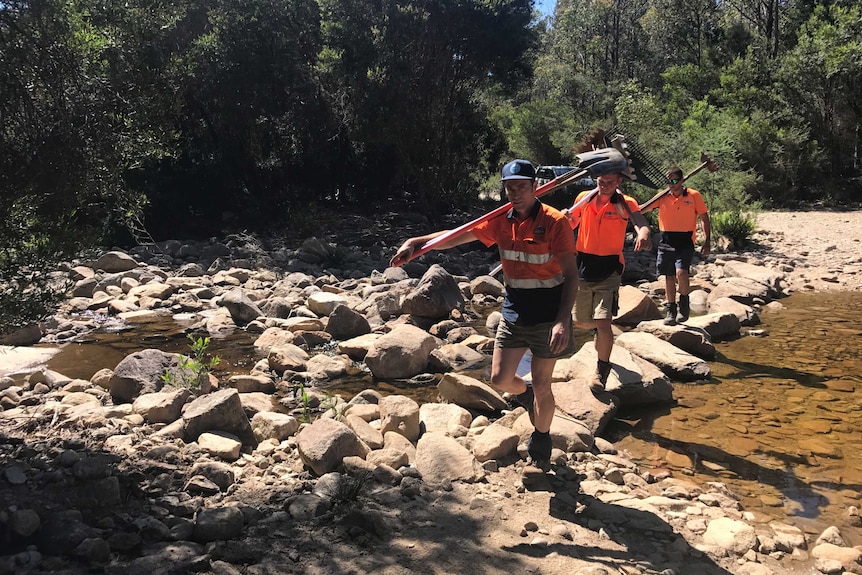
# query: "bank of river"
780,422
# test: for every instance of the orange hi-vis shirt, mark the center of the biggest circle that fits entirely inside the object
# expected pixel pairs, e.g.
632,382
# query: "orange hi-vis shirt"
528,248
679,214
603,227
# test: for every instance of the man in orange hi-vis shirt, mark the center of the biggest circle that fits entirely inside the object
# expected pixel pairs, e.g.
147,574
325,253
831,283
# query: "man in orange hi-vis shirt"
537,251
603,221
678,213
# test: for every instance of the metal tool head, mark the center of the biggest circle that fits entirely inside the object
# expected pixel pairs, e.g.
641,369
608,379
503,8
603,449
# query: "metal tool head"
710,164
602,162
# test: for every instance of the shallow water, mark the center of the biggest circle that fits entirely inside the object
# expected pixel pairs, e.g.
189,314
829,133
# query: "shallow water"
779,422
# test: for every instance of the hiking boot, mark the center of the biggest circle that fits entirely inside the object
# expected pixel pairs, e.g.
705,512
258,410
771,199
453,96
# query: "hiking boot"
539,449
684,309
600,378
526,400
670,317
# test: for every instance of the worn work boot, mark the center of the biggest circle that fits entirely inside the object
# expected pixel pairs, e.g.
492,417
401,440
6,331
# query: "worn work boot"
539,448
670,317
600,378
684,309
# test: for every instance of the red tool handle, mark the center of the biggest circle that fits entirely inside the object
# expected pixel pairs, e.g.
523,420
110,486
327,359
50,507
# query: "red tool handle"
542,190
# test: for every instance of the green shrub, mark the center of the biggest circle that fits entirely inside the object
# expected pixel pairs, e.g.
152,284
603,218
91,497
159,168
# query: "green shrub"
194,369
735,225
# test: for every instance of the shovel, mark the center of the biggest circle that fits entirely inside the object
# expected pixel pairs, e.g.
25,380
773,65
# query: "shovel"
595,163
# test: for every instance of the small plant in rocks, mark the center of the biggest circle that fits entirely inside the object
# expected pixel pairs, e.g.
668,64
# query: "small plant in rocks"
346,494
194,368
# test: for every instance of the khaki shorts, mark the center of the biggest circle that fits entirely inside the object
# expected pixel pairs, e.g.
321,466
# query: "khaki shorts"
536,338
598,300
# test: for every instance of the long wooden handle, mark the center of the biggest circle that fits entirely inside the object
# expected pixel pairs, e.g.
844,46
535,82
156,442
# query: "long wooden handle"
666,191
542,190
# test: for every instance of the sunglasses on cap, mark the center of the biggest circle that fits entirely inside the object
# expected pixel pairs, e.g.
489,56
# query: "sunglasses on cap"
673,180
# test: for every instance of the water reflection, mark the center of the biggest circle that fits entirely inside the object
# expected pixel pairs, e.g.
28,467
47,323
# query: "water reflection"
779,421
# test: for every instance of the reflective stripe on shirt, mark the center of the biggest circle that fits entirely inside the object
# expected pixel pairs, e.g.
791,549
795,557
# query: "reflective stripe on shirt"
525,257
534,283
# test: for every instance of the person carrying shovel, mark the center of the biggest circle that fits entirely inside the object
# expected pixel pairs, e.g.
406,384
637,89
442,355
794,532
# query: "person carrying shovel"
678,213
537,250
603,215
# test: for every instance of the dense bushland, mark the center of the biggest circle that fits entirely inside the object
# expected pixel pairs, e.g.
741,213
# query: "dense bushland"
189,118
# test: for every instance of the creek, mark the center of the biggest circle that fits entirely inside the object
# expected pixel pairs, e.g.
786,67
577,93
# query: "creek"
780,421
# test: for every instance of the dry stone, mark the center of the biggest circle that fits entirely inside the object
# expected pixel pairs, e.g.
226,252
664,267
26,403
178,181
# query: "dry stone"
401,353
436,295
470,393
719,326
732,535
694,340
287,357
635,307
323,444
242,309
141,372
219,411
400,414
345,323
162,407
439,417
272,425
674,362
495,442
440,458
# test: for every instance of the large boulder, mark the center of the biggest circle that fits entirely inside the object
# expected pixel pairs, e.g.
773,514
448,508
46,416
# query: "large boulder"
456,357
443,417
719,326
633,380
113,262
495,442
694,340
469,392
436,295
770,278
141,372
326,442
344,323
746,314
743,290
674,362
569,434
162,407
635,306
400,414
574,398
242,309
324,303
219,411
440,458
401,353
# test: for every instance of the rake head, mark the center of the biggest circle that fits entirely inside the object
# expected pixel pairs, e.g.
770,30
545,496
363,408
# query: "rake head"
642,168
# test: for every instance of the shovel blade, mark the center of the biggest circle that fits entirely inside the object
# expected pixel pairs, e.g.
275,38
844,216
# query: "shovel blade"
602,162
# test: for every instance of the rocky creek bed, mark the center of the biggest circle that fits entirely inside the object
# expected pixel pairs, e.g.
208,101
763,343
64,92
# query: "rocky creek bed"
267,472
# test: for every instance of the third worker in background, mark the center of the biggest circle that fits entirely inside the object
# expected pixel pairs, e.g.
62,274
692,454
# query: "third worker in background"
678,213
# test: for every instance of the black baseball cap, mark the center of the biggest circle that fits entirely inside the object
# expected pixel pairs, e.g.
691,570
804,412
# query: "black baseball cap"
518,170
